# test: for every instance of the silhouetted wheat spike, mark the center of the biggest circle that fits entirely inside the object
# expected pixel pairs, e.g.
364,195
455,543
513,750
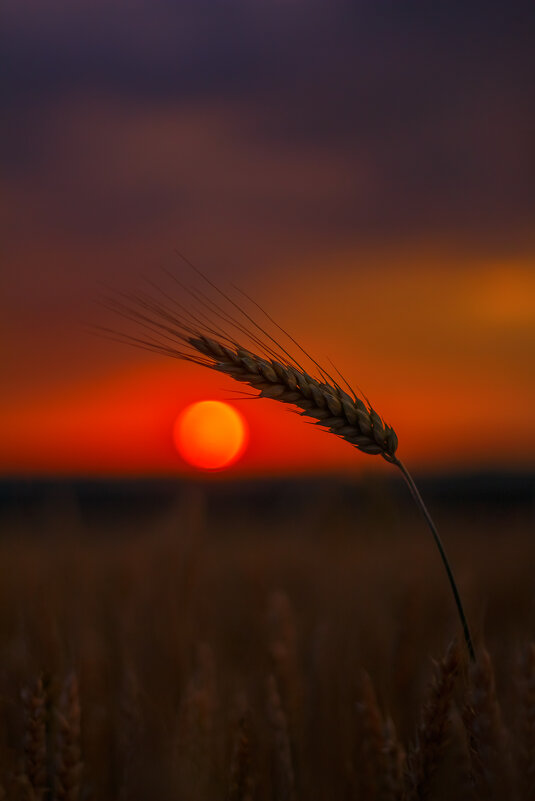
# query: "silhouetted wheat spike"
332,408
424,755
200,337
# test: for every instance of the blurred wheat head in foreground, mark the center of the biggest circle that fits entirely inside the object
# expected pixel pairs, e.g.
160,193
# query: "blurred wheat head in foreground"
207,333
461,748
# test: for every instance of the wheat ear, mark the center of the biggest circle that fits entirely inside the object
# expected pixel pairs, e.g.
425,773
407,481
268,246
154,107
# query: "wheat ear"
196,337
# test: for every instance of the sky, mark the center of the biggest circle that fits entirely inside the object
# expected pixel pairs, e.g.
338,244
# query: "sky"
365,170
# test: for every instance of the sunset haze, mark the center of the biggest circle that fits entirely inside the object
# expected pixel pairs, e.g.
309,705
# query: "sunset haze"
365,172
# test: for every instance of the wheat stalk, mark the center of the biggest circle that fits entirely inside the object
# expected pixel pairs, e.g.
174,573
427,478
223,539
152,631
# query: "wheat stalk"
201,336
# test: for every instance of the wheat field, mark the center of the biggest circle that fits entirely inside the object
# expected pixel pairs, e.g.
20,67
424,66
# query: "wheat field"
278,648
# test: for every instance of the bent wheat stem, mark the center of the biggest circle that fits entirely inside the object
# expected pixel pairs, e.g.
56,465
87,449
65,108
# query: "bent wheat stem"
423,508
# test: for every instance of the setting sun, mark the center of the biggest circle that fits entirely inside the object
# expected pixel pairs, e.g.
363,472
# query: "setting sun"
210,434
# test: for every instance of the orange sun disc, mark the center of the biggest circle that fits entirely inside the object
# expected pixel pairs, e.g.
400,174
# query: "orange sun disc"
210,434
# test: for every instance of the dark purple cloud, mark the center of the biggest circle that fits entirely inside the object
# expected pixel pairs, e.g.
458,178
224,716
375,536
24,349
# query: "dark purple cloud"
432,102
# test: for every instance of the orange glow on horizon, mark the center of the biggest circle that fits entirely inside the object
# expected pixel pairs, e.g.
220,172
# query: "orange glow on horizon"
443,359
122,424
210,434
